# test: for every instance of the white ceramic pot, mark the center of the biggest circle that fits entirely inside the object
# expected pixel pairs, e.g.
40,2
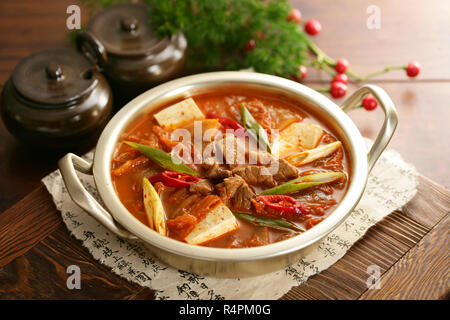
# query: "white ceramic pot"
221,262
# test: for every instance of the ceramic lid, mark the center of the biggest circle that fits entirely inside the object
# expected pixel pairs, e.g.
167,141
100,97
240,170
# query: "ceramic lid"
124,29
54,77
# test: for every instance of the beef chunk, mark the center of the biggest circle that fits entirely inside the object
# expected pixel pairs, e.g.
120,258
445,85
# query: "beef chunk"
228,188
286,171
261,168
242,198
202,187
255,175
236,193
213,170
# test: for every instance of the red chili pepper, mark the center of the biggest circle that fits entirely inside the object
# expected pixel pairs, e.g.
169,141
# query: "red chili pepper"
282,203
174,179
228,123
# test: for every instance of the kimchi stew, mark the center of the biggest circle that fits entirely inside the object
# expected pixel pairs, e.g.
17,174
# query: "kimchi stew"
230,169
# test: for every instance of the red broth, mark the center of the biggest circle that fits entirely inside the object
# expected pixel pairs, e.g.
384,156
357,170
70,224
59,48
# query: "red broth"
272,112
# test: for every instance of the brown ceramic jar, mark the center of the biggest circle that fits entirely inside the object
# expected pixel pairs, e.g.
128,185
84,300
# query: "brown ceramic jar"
56,99
121,40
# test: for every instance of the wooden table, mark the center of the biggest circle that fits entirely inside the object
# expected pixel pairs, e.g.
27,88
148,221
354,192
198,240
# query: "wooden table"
411,245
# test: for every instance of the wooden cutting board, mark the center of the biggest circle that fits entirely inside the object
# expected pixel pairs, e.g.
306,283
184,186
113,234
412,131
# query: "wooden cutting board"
410,247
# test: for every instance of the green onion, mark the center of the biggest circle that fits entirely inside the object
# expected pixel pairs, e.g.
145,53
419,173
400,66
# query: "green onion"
161,158
268,222
255,129
304,182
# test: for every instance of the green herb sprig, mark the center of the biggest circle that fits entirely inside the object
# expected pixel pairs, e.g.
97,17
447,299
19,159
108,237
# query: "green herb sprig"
162,158
254,129
268,222
217,32
304,182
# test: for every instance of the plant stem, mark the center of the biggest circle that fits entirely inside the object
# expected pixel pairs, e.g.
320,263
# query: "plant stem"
355,76
385,70
321,56
325,67
322,89
324,59
324,62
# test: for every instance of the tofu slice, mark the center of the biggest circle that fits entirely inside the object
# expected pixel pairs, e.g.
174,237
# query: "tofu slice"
179,113
300,134
216,223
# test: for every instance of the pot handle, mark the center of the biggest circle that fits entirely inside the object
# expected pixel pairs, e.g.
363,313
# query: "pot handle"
91,47
68,166
390,118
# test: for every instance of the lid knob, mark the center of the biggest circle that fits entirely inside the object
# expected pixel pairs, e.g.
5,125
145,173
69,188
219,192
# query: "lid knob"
129,24
124,29
54,71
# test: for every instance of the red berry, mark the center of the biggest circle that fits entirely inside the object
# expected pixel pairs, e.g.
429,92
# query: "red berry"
313,27
303,72
338,89
295,15
413,69
341,77
341,65
369,103
250,45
